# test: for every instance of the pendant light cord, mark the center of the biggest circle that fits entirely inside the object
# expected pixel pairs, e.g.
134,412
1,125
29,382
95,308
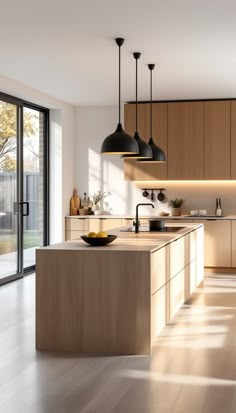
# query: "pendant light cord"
136,95
119,82
150,103
151,67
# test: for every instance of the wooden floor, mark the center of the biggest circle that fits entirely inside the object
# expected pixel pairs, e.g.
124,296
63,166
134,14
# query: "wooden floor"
192,370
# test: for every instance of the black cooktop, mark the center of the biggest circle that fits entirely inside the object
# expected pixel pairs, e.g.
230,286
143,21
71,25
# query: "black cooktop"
146,229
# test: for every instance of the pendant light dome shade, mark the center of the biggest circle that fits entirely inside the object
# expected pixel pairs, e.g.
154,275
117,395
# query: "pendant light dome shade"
158,155
119,142
144,149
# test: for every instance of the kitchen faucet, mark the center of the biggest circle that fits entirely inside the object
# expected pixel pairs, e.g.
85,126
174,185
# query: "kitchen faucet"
136,221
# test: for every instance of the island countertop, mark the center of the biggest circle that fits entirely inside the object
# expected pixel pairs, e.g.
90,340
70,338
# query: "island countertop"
115,299
130,241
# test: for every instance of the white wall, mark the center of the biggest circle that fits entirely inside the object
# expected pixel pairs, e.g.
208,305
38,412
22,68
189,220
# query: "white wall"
94,171
62,138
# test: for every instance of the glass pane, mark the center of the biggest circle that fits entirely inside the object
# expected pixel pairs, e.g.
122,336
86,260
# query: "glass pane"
33,183
8,160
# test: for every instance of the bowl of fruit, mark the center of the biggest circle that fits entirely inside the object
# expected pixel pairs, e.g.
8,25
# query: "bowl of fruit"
98,239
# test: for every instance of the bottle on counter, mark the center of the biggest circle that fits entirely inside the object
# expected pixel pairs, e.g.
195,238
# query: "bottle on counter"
218,211
85,202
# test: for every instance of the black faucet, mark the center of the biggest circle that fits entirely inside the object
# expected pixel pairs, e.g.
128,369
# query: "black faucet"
136,221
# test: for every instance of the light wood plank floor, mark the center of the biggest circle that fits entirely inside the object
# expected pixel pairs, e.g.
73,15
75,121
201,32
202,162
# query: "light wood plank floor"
193,368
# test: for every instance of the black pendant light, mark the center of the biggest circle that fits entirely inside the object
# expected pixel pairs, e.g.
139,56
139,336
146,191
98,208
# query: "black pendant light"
145,150
158,154
119,142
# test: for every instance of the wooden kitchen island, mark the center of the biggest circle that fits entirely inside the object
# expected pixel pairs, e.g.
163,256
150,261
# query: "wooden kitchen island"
115,299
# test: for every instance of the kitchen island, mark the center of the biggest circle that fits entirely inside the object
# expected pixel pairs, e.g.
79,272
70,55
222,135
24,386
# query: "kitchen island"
115,299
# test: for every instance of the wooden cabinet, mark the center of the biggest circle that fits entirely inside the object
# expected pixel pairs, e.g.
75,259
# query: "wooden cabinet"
179,255
233,139
185,141
217,249
135,171
199,139
104,224
199,260
158,312
217,140
75,227
159,268
77,224
177,292
233,244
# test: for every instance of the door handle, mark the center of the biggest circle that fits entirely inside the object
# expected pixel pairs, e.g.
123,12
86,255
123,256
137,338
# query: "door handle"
25,214
17,210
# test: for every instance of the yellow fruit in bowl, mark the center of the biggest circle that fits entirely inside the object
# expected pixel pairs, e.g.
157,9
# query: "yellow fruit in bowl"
91,235
102,234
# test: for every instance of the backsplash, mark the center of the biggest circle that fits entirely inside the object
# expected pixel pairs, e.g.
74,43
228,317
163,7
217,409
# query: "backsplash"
196,194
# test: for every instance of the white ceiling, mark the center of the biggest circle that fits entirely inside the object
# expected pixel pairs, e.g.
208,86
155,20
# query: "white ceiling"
66,48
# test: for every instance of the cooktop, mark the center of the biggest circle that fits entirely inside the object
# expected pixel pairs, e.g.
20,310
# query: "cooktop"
146,229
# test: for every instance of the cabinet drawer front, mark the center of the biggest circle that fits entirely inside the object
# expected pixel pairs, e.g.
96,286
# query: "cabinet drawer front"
70,235
190,279
177,292
192,245
103,224
217,243
233,243
127,222
77,224
178,256
158,312
159,269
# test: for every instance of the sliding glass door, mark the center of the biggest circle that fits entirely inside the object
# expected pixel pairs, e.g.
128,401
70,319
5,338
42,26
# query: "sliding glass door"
23,185
8,189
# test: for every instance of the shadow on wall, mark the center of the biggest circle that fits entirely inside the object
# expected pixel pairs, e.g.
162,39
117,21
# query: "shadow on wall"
105,173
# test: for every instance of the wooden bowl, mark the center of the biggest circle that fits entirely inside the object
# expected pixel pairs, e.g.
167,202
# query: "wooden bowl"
98,242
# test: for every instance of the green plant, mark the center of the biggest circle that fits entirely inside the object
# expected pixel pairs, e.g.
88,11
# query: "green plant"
176,203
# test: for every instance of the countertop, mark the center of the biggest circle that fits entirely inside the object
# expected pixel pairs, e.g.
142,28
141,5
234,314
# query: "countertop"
185,217
126,241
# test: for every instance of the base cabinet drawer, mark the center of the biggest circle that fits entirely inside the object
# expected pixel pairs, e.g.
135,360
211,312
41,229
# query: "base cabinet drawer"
77,224
159,268
103,224
217,239
190,279
176,292
127,222
70,235
158,312
233,243
179,255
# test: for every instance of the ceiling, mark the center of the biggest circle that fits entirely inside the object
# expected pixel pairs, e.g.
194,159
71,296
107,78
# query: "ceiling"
66,48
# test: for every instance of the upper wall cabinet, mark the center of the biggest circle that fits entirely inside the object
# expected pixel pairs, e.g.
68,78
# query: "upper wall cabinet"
136,171
199,139
217,140
233,139
185,141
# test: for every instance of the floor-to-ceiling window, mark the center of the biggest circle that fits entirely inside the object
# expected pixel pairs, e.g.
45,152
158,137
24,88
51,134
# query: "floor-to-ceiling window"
23,185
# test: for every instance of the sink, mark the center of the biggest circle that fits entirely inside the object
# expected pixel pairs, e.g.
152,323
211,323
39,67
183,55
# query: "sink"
146,229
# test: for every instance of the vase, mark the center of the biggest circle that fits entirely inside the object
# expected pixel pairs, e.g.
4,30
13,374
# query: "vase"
175,212
95,207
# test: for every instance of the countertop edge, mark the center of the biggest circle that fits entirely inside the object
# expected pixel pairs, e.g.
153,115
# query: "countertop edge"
184,217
